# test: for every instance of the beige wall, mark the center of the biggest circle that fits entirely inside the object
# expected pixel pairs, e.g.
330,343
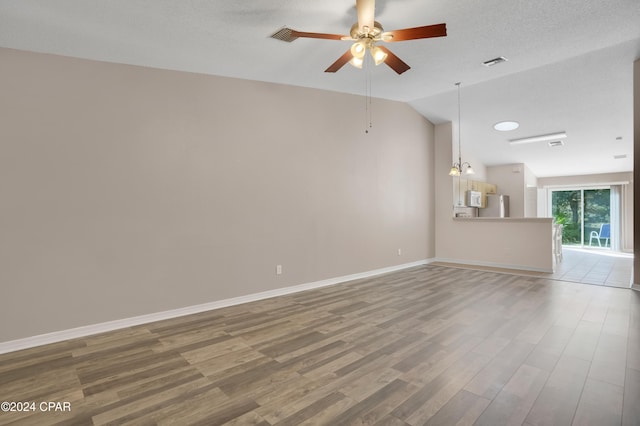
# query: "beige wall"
510,180
444,183
530,193
519,183
479,169
636,173
128,191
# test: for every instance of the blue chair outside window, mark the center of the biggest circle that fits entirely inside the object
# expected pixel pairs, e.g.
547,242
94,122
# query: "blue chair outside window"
604,234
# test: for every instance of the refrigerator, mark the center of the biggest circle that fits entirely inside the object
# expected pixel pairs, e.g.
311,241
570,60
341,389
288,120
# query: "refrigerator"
497,206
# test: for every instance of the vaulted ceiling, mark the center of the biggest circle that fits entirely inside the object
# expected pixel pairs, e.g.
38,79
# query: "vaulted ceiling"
569,68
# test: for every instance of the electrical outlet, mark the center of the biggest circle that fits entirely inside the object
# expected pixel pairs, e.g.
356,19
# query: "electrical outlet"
278,269
399,252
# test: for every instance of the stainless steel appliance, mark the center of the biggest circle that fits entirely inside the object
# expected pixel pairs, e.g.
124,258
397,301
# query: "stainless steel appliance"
497,206
474,199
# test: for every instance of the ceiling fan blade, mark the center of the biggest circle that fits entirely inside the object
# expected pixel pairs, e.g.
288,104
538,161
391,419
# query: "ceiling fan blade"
289,35
342,60
395,63
439,30
303,34
366,10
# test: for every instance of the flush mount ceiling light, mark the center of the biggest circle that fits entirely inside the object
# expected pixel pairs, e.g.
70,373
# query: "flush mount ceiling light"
506,126
541,138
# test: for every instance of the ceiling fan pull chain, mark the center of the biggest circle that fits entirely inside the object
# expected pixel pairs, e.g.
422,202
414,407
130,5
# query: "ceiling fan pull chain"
368,116
366,96
370,73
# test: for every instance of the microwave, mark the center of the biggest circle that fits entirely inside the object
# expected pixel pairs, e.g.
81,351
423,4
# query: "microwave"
474,199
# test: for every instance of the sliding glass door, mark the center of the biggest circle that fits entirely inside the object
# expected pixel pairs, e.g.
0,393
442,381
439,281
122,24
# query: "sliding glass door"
585,215
567,210
597,217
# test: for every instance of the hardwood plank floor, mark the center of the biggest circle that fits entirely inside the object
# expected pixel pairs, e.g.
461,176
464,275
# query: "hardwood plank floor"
429,345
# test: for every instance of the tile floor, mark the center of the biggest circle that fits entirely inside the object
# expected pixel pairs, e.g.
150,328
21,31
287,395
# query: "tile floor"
580,265
594,266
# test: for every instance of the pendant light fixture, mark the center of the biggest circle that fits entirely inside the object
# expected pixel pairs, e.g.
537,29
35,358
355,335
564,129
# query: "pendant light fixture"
459,168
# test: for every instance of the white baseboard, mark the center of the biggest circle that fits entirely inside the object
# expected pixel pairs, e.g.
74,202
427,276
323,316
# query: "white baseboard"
74,333
492,265
635,286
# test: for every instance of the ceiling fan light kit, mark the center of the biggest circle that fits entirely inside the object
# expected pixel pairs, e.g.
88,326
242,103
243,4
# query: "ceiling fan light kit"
379,56
356,62
366,33
359,49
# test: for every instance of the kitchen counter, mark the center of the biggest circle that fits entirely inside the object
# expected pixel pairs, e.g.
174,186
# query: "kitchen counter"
524,243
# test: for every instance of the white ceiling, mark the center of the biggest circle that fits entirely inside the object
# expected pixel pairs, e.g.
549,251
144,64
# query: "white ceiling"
570,62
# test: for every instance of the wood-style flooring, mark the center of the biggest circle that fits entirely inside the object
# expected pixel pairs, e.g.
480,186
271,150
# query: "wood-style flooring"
429,345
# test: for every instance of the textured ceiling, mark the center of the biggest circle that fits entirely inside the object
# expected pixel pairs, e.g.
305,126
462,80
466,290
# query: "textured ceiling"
570,62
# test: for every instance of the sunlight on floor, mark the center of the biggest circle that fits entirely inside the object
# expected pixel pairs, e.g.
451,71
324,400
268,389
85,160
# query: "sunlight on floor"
599,252
594,266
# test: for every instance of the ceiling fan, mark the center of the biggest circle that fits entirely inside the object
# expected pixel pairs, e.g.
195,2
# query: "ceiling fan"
367,33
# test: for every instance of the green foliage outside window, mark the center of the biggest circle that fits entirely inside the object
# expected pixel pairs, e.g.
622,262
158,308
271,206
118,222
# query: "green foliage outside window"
567,209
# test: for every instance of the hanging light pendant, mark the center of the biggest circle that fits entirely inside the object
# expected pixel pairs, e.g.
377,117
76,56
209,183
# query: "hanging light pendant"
459,168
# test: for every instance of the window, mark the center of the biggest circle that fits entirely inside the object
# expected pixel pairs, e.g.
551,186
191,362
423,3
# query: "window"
581,212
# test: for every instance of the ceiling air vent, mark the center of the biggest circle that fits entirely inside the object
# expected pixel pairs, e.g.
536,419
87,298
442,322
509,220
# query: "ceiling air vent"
495,61
556,143
619,157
